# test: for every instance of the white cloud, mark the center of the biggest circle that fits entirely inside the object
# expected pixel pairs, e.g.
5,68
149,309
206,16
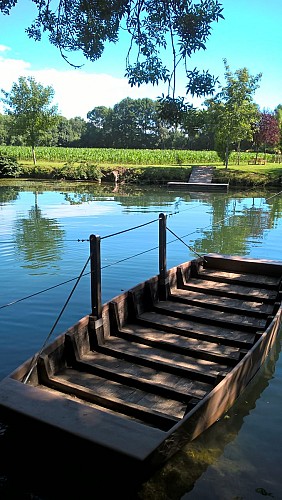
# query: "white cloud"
76,91
10,71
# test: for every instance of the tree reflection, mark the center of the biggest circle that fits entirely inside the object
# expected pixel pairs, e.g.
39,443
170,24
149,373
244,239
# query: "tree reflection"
38,238
8,194
232,227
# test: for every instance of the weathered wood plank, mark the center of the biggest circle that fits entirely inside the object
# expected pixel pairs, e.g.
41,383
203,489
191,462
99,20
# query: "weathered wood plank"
198,313
243,278
200,369
221,303
230,290
193,329
146,406
177,343
144,376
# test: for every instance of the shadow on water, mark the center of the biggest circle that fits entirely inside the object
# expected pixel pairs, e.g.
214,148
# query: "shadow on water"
44,468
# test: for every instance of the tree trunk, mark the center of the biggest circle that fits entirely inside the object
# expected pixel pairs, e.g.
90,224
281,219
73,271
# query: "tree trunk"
238,152
33,155
226,155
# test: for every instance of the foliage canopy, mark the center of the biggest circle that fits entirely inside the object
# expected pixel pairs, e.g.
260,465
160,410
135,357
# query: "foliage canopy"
159,31
232,111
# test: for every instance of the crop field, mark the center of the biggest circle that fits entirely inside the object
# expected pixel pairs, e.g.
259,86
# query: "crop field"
103,156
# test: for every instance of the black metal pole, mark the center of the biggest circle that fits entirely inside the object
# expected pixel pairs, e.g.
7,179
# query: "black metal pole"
163,282
95,267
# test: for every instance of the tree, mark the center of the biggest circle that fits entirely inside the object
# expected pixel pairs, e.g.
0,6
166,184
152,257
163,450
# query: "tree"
134,123
169,31
99,130
66,133
29,103
194,125
78,128
232,111
266,131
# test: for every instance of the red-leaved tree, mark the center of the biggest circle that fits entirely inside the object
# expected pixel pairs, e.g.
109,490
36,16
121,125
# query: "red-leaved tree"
266,131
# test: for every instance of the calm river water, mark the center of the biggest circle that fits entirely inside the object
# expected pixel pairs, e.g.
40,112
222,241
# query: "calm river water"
44,233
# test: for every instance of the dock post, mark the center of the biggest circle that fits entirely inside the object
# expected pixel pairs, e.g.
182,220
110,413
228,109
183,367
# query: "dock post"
96,322
163,278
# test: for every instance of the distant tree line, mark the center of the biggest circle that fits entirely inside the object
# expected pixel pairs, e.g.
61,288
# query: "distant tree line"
137,124
131,123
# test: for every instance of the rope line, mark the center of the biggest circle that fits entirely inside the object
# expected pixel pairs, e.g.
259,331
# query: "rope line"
83,240
130,229
77,240
270,197
38,293
35,358
180,239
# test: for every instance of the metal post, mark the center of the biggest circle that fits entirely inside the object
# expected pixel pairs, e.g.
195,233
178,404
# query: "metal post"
163,280
95,267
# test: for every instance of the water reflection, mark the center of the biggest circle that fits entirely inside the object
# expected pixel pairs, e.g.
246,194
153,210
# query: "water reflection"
38,238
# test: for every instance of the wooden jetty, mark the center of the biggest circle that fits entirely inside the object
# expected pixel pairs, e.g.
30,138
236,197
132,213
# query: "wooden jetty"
200,180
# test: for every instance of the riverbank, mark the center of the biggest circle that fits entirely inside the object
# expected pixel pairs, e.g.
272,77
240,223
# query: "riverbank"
269,175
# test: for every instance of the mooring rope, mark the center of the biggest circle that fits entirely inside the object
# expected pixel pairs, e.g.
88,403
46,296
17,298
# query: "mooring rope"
35,358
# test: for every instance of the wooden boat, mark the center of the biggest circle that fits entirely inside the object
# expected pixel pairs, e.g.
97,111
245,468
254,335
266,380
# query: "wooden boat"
150,370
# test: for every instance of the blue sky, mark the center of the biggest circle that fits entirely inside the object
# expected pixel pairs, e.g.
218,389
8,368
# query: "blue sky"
250,36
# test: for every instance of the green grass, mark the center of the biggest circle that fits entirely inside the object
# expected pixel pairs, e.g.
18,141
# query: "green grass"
141,166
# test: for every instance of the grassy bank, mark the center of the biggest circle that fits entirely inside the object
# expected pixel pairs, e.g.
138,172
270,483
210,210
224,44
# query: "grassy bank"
141,166
269,175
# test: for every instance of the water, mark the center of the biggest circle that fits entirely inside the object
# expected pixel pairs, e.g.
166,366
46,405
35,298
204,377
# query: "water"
44,233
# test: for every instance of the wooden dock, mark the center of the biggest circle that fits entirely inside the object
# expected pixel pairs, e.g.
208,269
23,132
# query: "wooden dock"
200,180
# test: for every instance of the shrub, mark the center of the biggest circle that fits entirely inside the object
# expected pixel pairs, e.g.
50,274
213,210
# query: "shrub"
9,166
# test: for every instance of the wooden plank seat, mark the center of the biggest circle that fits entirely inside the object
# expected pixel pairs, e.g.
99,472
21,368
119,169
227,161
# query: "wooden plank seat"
164,360
220,318
223,289
198,348
244,279
146,407
230,336
232,305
